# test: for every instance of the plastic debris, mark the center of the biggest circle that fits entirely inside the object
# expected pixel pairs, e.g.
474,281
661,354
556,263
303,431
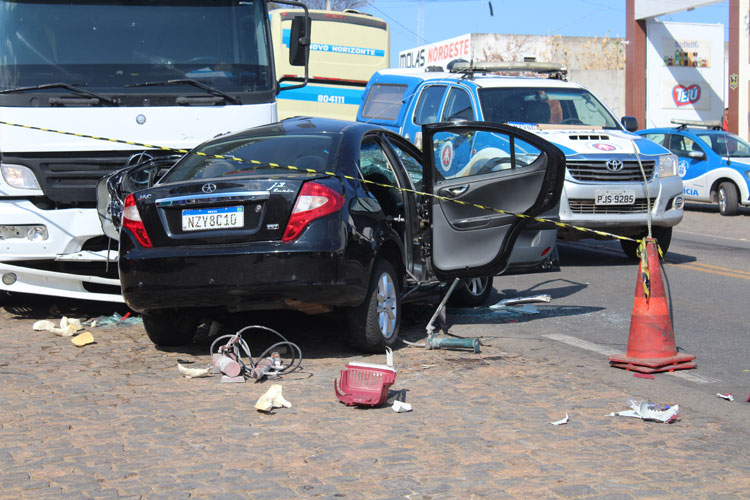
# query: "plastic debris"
68,326
728,397
83,339
521,300
366,383
644,375
747,400
562,421
117,320
648,411
232,380
272,399
193,372
401,407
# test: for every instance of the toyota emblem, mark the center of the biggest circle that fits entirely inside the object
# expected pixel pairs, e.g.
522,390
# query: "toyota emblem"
209,188
614,165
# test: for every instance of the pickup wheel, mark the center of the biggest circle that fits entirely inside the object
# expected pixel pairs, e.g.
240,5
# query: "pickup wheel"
170,327
728,199
375,323
472,293
663,237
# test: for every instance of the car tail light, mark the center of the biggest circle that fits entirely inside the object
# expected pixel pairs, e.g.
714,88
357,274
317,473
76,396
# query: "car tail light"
314,201
131,219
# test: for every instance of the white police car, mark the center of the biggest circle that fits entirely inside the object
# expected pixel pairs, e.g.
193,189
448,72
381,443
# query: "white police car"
604,183
714,164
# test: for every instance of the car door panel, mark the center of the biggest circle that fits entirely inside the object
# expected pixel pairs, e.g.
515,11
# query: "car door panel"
473,228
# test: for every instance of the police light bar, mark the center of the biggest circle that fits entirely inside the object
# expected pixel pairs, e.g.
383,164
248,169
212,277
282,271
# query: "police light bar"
715,124
521,66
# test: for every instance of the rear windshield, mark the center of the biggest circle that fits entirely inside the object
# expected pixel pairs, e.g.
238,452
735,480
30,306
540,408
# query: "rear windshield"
243,155
545,106
384,102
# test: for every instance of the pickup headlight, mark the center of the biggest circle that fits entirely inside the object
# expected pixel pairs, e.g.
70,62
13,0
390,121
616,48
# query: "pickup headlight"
667,166
19,177
747,174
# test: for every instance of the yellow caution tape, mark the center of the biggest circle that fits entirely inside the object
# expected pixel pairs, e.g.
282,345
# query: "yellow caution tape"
313,171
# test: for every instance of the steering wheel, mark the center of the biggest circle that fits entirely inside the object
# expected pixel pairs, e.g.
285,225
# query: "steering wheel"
491,165
572,121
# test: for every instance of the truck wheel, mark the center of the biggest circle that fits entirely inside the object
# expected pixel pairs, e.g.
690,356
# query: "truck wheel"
375,323
728,199
472,293
663,236
170,327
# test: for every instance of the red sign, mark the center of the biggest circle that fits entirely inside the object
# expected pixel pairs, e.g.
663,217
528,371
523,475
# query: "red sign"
684,96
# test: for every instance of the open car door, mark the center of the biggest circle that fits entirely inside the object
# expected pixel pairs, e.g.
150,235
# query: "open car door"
475,169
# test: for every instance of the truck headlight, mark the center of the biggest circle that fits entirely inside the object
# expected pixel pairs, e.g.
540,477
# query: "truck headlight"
19,177
747,174
667,166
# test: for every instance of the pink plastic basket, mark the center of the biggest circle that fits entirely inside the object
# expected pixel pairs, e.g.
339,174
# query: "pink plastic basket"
364,385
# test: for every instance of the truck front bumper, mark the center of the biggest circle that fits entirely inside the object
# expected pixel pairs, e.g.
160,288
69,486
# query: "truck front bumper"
38,247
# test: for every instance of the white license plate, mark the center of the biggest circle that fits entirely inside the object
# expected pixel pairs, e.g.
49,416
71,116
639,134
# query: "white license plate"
614,197
201,219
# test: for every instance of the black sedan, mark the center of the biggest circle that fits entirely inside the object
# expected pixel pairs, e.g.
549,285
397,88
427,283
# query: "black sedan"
321,215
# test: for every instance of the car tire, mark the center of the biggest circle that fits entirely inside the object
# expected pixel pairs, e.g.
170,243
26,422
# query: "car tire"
374,325
170,327
472,293
663,237
728,199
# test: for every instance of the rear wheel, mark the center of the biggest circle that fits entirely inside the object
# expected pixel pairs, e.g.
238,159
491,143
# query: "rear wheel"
663,237
473,292
170,327
375,324
728,199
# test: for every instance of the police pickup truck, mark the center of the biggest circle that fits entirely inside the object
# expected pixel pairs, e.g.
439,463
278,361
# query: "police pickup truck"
614,179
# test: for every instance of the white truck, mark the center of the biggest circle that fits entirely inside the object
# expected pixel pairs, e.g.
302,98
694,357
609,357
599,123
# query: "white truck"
149,72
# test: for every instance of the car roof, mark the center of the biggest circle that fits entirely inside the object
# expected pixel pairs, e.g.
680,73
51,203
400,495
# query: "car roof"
404,75
682,130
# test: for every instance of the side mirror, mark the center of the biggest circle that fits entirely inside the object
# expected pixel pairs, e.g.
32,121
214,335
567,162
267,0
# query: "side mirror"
630,123
299,42
698,155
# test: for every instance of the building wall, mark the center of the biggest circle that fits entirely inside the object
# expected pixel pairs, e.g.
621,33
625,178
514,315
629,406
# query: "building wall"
598,63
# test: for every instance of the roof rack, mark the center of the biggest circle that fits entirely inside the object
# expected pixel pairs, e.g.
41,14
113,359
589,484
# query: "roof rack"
683,124
554,70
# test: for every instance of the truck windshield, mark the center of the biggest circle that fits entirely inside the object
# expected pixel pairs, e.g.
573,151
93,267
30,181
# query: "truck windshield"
106,45
544,106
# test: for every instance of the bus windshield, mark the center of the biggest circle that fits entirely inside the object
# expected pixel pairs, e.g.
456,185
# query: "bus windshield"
107,45
545,106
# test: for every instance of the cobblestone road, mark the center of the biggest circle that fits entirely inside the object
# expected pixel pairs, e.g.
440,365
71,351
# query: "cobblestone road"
116,420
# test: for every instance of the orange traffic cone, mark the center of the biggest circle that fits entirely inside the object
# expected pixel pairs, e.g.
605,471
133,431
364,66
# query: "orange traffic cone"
651,346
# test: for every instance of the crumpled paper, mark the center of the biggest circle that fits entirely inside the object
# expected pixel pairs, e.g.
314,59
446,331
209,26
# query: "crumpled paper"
648,411
272,399
68,326
562,421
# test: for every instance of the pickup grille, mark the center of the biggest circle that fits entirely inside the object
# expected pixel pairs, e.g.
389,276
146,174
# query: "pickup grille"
597,171
71,178
589,207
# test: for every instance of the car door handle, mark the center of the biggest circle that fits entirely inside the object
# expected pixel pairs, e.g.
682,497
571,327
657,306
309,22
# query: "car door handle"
454,191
